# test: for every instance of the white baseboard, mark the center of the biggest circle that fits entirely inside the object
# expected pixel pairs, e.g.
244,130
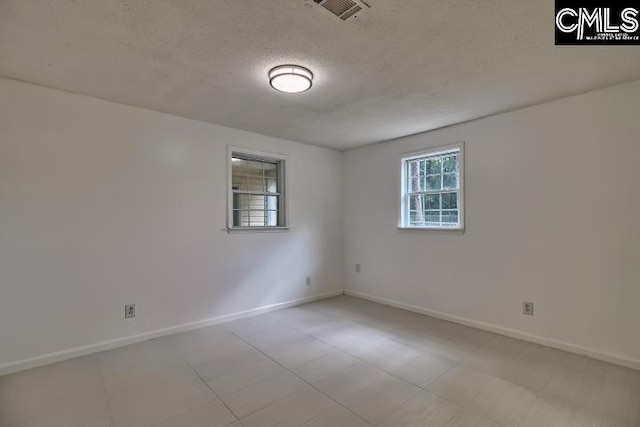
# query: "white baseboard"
58,356
560,345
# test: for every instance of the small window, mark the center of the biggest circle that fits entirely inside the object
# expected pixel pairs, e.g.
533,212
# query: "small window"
432,189
257,191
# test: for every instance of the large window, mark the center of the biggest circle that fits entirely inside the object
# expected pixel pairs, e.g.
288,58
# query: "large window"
432,189
256,195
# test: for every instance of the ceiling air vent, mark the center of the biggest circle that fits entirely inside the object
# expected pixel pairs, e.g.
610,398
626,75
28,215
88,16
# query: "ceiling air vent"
343,9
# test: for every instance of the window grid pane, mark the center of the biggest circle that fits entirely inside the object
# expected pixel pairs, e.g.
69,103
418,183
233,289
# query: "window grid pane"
433,191
256,192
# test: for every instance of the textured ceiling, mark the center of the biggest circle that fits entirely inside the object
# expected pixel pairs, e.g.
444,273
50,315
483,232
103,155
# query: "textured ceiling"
400,68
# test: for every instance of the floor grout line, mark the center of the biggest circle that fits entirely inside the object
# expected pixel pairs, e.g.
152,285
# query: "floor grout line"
104,388
361,359
385,335
297,376
204,382
425,388
490,362
373,331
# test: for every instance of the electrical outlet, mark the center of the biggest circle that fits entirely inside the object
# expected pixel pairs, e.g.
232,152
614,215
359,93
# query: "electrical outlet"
358,269
129,311
527,308
308,281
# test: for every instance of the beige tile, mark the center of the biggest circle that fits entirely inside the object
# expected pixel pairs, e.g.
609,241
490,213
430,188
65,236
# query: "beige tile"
45,397
504,402
420,341
261,394
102,422
211,414
579,391
588,419
360,342
424,369
533,367
579,382
550,414
299,318
45,380
228,363
460,385
63,393
165,402
68,415
459,345
596,390
556,413
291,411
377,348
350,380
424,409
204,344
273,336
471,418
82,369
337,416
332,326
443,330
251,325
177,377
244,377
379,399
383,317
495,354
413,366
325,366
367,391
500,382
621,395
297,351
136,363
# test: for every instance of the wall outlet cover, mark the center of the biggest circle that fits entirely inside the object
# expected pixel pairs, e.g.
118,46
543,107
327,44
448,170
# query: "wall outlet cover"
129,311
527,308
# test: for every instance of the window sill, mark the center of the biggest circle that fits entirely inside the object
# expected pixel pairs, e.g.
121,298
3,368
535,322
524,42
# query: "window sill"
432,230
257,230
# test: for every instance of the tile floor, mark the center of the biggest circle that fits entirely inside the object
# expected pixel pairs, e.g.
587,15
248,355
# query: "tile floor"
337,362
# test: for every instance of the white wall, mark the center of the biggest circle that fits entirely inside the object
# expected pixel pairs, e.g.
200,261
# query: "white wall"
103,204
552,216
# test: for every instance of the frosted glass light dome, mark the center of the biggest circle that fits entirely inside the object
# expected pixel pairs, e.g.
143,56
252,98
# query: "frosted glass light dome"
290,78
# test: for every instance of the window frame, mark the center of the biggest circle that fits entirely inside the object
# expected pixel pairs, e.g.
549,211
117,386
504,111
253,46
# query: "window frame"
283,211
403,219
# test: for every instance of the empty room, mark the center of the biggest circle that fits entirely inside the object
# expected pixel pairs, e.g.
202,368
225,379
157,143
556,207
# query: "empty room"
319,213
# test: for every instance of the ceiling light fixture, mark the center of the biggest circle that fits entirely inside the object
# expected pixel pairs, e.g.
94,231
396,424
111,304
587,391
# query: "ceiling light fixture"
290,78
